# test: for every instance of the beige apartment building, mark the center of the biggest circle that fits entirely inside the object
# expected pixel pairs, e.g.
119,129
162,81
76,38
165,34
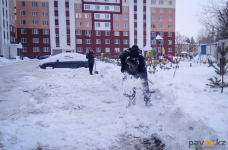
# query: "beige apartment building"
45,27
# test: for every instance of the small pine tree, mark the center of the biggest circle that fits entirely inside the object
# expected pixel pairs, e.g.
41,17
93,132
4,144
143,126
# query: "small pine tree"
223,70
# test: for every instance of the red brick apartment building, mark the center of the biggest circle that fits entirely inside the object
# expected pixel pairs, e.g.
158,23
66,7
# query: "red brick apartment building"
45,27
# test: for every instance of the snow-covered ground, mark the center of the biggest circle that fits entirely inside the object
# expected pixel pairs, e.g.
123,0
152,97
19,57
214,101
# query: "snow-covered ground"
68,109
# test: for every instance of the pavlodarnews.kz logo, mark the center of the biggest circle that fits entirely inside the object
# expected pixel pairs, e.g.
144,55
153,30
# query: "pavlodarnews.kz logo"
207,143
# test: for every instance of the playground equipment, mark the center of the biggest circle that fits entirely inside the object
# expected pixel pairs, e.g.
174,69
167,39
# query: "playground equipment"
205,52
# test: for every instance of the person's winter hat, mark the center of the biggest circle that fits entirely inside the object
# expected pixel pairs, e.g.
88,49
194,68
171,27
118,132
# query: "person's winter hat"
135,46
134,52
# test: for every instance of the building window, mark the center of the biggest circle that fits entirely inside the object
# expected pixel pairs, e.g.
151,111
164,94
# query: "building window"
153,42
161,26
88,33
88,48
46,49
153,26
98,49
97,16
87,7
44,4
169,34
153,10
170,2
45,31
116,41
35,40
107,41
169,26
34,4
125,1
78,15
23,31
116,25
116,8
97,7
87,15
35,31
125,25
98,33
98,24
125,33
34,22
24,49
116,17
36,49
22,3
169,50
116,33
78,24
106,7
161,18
125,41
125,8
44,13
169,42
78,32
161,10
79,49
23,22
34,13
88,41
170,18
162,34
46,40
161,2
125,17
98,41
107,33
153,34
79,41
161,42
153,18
107,50
87,24
153,1
78,6
107,24
45,22
117,50
107,16
170,10
22,12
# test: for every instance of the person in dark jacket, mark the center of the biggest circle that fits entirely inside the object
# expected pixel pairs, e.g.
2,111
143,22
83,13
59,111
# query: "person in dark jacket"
90,57
136,67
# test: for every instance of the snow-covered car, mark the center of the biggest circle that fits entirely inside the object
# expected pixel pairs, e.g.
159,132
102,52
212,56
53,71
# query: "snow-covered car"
64,64
64,60
43,57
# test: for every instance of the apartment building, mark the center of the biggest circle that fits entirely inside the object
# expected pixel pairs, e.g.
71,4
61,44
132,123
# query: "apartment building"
107,26
8,46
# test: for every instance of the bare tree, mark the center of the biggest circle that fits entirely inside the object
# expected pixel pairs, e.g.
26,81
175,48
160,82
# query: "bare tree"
180,40
214,17
205,36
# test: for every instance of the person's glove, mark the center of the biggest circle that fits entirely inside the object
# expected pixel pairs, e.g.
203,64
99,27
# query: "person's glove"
122,70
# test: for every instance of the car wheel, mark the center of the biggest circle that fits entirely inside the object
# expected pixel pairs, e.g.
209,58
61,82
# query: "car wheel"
49,67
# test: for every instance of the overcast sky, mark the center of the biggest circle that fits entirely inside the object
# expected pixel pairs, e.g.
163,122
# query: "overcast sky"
186,20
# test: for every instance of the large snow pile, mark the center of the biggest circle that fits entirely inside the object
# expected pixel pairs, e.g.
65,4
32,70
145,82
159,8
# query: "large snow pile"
65,57
68,109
